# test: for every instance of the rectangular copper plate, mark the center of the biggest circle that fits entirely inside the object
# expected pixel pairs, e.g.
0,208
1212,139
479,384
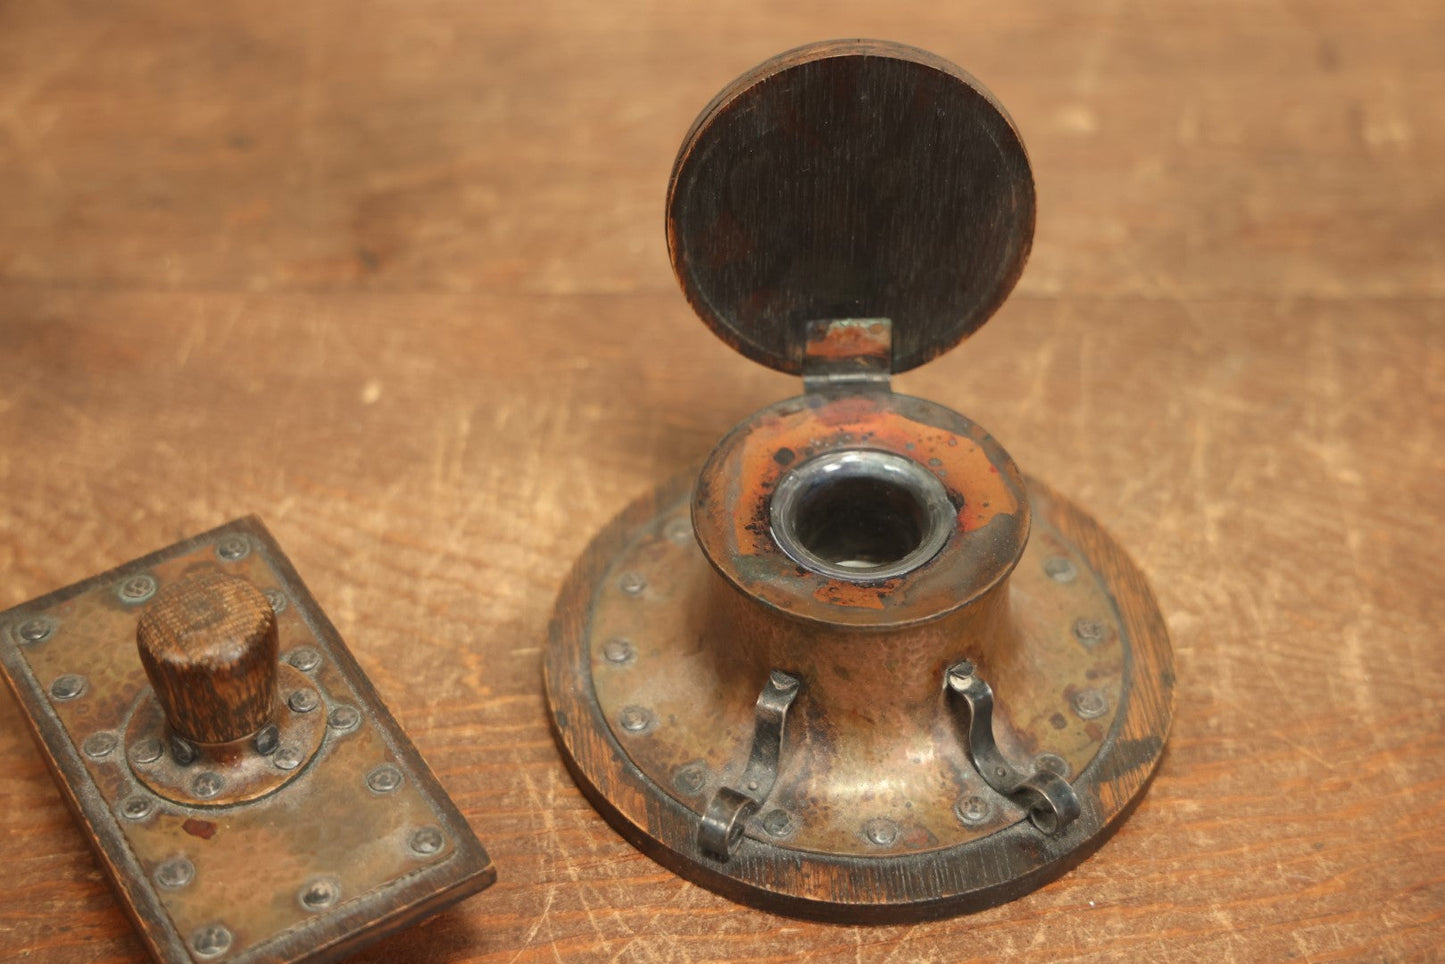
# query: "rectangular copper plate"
386,859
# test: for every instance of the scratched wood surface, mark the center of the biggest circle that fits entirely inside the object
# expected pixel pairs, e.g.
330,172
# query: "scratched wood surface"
392,275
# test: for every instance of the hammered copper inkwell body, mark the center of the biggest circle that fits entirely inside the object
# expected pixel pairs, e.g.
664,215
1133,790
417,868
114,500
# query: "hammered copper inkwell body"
859,667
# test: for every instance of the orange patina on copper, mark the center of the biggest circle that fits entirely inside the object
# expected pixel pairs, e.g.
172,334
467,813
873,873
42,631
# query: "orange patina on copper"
849,341
735,489
779,442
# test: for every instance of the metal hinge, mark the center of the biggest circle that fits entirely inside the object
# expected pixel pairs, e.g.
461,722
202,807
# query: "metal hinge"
851,353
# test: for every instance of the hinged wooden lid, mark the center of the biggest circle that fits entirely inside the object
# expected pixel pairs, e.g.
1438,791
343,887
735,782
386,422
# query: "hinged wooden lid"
850,179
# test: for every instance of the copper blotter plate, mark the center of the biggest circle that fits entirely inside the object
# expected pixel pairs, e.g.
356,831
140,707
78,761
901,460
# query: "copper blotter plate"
361,842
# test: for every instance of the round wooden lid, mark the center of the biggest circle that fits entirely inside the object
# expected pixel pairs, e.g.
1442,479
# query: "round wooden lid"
850,179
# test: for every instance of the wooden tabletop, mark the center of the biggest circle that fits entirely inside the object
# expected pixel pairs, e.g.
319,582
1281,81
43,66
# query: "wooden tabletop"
392,275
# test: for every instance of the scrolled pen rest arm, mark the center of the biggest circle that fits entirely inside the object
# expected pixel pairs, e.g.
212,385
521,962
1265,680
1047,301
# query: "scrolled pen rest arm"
1047,797
722,823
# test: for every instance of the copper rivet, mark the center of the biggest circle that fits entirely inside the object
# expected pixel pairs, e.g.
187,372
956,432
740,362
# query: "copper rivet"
1060,569
634,719
303,701
973,811
266,739
67,686
1089,704
618,651
233,548
35,630
777,823
212,941
175,873
319,894
207,784
182,750
137,589
426,841
136,807
690,777
384,779
881,831
277,599
147,750
344,718
679,530
304,658
1053,763
99,745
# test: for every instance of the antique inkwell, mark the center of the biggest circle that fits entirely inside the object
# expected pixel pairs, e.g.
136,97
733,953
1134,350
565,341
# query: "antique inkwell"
859,667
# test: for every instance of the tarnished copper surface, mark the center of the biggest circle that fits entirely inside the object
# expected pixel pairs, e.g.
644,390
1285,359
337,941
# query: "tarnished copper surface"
652,675
871,736
861,343
730,506
244,774
361,841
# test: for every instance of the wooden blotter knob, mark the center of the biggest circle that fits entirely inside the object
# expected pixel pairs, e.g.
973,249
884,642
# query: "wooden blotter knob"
209,646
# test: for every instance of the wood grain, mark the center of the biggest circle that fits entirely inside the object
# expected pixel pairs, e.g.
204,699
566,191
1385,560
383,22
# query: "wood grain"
392,275
209,648
849,179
